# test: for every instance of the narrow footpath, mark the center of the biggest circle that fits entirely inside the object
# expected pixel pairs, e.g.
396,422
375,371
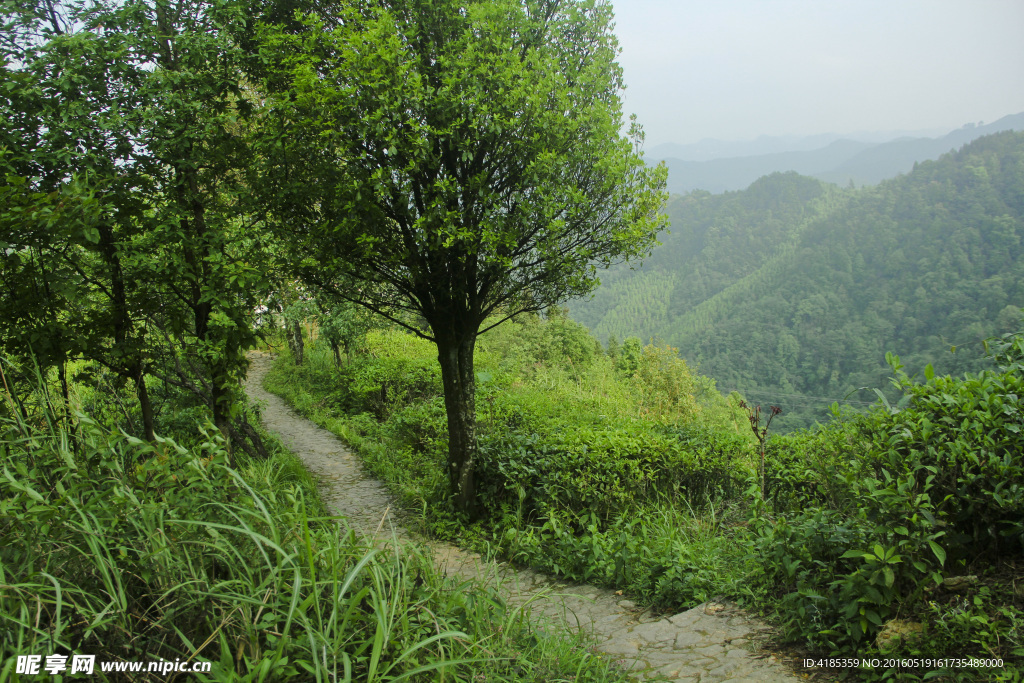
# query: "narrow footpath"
710,643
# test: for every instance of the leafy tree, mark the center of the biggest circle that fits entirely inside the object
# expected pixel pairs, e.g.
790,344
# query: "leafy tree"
68,217
343,324
629,356
462,160
126,238
613,347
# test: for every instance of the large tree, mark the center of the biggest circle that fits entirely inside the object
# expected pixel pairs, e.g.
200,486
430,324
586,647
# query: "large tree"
463,160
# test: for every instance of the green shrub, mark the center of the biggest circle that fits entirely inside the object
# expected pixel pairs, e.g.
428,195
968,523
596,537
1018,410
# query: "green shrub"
665,554
569,451
529,341
867,516
607,471
961,442
626,481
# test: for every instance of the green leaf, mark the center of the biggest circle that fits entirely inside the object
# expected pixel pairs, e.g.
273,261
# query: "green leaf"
939,552
890,577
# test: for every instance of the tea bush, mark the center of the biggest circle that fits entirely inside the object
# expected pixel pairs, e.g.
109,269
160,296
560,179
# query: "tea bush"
868,516
627,477
607,471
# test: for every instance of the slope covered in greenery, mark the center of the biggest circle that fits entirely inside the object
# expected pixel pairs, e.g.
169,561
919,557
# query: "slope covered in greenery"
792,291
630,472
714,241
226,567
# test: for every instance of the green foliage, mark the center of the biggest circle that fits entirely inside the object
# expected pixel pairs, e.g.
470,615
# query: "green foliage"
628,361
867,516
447,129
861,523
607,470
469,167
393,372
715,240
961,440
560,342
127,234
985,621
570,452
668,555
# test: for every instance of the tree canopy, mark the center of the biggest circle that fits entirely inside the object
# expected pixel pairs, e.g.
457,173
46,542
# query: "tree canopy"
462,161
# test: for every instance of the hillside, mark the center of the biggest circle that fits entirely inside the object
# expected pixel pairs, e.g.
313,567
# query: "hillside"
839,161
714,241
793,291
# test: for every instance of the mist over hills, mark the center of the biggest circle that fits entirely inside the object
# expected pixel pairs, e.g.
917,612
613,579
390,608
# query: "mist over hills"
793,290
718,166
710,148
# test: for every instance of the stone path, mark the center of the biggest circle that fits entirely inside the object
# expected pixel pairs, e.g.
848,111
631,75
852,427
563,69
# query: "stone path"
709,643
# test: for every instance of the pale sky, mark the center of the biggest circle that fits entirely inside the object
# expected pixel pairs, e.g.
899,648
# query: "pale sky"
738,69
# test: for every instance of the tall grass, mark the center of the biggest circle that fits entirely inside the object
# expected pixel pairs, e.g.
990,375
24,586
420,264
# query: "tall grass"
133,551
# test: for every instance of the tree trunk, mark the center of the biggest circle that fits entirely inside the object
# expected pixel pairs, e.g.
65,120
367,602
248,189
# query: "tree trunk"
62,373
289,337
456,359
336,349
221,400
300,349
293,331
145,405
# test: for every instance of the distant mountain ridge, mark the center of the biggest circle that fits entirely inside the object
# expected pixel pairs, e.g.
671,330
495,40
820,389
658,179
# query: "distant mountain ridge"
836,160
710,148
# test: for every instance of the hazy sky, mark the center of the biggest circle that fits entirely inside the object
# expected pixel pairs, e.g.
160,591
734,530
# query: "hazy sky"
737,69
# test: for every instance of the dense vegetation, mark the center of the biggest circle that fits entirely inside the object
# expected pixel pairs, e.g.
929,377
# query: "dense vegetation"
148,207
895,531
570,439
793,291
469,166
138,552
149,159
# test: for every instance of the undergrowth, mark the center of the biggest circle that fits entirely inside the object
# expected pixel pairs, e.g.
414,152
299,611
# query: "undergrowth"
130,551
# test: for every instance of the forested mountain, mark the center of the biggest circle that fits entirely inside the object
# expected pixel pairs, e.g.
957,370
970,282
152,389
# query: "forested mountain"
839,161
879,162
715,240
792,291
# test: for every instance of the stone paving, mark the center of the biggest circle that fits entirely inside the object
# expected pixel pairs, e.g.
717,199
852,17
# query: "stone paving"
712,642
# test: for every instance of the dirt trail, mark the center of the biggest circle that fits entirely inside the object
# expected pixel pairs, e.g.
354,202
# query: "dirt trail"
709,643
